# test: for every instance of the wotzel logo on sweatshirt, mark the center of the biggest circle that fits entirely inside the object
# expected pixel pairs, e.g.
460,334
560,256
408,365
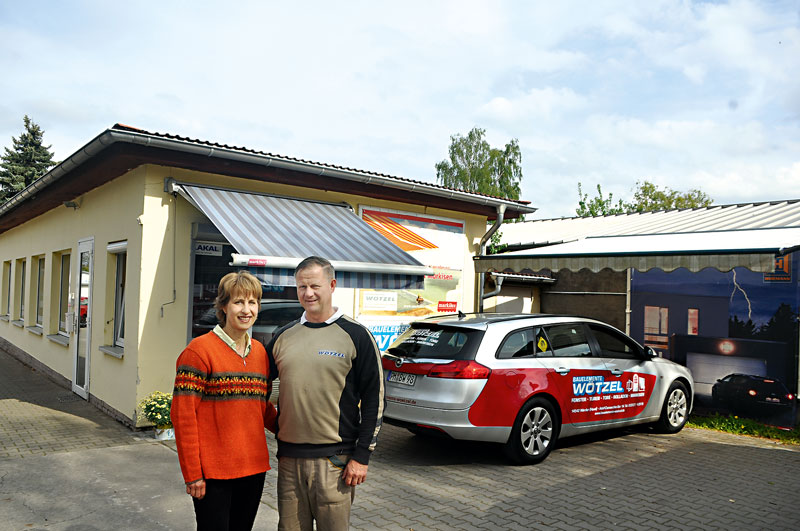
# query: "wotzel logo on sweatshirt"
330,353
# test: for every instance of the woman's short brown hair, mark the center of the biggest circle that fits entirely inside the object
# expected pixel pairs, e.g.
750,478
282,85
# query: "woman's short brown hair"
239,282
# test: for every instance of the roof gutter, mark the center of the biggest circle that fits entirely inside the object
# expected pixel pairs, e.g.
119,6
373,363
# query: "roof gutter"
98,144
111,136
308,167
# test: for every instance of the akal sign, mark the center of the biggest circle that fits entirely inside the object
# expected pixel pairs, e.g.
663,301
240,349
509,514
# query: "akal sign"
207,249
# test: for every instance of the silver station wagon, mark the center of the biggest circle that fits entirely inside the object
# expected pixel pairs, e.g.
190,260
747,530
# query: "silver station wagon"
527,380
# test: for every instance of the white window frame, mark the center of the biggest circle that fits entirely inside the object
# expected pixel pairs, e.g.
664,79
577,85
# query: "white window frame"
63,295
21,314
7,278
120,250
39,317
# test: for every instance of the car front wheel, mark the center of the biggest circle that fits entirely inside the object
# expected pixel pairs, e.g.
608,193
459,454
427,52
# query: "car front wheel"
534,434
675,411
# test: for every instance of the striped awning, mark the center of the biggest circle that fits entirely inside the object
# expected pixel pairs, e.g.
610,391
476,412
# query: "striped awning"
274,233
755,249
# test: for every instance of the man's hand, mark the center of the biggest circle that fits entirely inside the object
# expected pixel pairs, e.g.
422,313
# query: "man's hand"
354,473
196,489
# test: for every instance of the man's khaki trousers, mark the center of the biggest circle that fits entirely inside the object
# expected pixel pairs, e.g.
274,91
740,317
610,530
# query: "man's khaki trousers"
311,488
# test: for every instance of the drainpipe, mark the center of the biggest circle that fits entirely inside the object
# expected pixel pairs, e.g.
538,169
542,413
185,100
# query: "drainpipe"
498,288
501,210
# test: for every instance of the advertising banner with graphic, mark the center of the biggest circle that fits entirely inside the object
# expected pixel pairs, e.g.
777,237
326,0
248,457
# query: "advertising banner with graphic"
595,398
437,243
737,331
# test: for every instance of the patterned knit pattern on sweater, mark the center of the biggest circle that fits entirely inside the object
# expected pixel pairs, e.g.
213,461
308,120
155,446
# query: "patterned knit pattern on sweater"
220,410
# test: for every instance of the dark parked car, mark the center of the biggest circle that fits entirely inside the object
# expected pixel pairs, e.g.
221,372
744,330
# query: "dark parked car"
748,393
274,314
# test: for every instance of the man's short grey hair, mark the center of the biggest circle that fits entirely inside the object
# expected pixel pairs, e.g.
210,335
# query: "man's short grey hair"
312,261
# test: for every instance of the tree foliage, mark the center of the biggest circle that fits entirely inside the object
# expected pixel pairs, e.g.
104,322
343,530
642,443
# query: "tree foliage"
782,326
475,166
647,197
597,206
27,161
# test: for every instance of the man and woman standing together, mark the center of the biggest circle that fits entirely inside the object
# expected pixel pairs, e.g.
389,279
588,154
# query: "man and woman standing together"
331,405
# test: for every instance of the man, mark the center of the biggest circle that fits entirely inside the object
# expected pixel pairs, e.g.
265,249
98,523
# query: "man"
330,405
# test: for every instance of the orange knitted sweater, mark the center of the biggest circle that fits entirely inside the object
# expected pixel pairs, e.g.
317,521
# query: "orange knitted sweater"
220,409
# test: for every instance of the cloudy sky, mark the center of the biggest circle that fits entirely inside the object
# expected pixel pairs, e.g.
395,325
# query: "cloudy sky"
685,94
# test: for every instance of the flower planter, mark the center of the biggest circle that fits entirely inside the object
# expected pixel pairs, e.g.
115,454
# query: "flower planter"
165,434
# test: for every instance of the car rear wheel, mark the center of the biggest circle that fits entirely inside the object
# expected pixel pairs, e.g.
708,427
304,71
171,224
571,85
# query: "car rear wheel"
675,411
534,434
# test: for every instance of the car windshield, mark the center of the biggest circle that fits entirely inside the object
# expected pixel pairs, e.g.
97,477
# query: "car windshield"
437,342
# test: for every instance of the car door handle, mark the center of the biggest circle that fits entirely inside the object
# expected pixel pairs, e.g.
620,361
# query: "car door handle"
616,372
562,371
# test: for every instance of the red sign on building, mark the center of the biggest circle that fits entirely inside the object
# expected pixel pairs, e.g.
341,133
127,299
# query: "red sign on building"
447,306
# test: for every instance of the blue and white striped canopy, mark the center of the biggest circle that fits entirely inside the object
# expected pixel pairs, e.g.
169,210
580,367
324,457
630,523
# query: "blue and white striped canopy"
274,233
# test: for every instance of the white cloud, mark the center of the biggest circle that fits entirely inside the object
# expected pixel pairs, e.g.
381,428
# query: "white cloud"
545,103
684,93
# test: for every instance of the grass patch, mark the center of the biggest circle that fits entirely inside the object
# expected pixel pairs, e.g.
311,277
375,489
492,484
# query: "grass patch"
743,426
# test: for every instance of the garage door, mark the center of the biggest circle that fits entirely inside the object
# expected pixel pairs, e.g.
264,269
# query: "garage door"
708,368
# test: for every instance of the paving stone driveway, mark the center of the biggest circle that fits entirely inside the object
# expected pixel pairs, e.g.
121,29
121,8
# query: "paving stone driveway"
629,479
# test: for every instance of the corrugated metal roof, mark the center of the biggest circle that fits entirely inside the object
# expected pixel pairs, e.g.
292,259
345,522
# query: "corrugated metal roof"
748,235
765,215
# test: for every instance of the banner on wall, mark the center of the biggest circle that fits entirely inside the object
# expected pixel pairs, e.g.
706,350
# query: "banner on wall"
737,331
436,242
783,270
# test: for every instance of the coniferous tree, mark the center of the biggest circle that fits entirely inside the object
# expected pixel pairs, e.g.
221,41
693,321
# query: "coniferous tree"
28,160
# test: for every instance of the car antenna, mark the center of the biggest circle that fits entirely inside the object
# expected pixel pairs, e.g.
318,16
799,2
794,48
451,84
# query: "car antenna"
461,314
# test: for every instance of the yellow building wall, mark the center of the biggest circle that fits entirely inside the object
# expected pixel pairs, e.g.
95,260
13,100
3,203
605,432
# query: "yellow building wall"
162,336
157,227
107,214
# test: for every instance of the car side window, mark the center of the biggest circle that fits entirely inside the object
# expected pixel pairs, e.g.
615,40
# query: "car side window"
614,345
541,345
518,344
569,341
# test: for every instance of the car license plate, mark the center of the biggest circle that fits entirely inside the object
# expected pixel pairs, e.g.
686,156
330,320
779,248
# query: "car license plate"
402,378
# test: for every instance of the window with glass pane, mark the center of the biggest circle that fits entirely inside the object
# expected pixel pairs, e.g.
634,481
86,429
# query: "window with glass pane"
7,285
40,292
63,294
119,301
542,346
613,344
518,344
21,315
568,340
693,321
656,320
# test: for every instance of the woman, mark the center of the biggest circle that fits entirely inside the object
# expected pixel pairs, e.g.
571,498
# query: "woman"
220,408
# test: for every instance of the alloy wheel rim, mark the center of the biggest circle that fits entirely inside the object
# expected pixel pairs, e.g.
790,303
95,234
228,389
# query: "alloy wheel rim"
676,407
537,431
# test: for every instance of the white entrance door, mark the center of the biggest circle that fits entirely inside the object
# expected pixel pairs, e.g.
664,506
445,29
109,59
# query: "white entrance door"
83,331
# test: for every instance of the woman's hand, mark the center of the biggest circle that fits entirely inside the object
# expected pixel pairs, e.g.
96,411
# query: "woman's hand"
196,489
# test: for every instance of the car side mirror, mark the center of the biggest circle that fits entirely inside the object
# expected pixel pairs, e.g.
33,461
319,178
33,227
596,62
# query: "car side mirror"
650,353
